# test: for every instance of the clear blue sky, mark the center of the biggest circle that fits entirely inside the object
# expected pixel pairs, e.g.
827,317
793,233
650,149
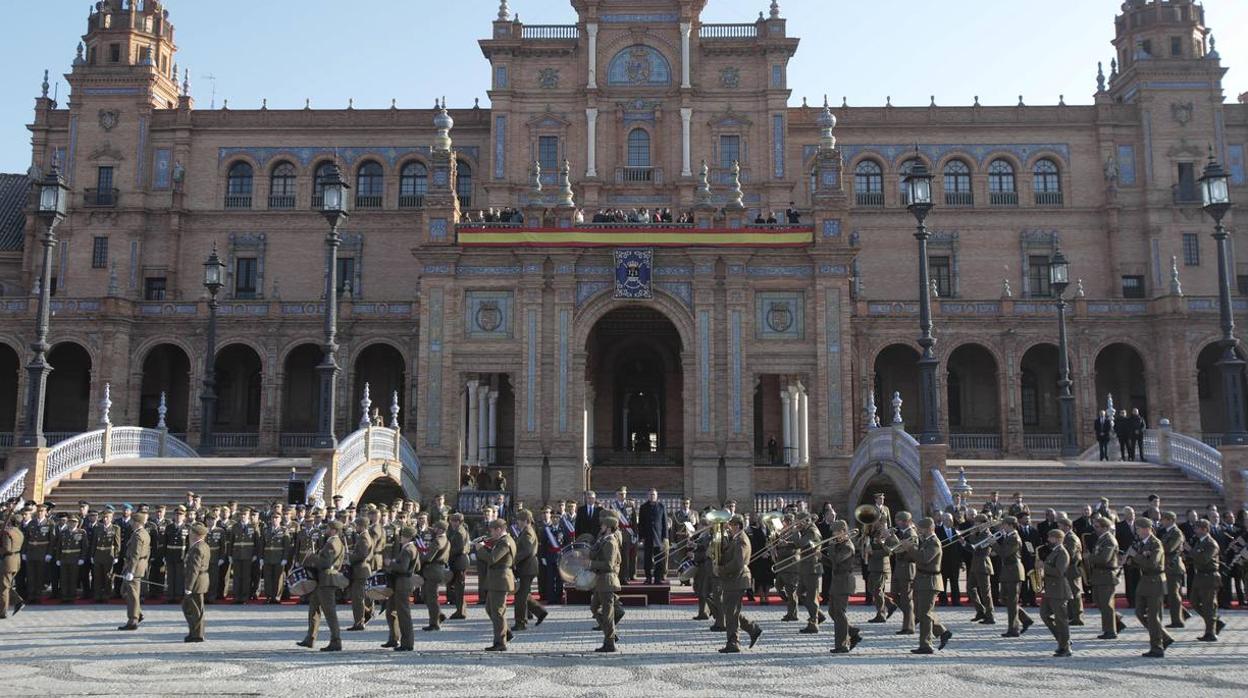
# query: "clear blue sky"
416,50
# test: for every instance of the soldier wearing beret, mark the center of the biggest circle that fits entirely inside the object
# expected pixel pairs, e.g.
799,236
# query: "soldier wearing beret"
11,541
733,572
325,564
105,549
361,559
1148,556
276,554
1008,549
134,569
457,538
1074,572
402,566
497,553
1173,543
1057,591
196,568
839,558
435,551
1103,577
1206,580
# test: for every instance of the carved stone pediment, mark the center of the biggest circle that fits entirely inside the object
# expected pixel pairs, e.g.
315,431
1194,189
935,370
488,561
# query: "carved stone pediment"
106,151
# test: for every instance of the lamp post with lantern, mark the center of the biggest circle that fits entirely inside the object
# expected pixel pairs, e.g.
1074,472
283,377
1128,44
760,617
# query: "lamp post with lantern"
214,279
1059,279
334,209
1215,193
918,184
52,208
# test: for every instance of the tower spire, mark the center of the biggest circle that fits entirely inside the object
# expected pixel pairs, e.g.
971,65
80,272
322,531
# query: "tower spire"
504,12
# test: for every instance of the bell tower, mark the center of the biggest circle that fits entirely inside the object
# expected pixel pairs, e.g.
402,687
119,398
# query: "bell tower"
1164,42
128,49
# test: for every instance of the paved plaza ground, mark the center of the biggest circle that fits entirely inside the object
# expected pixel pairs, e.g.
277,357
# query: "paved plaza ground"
53,650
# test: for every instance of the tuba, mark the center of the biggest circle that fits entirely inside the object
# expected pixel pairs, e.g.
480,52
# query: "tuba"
867,514
716,520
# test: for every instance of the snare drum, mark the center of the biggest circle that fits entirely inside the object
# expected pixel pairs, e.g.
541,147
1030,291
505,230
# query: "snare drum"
585,580
378,588
300,582
687,570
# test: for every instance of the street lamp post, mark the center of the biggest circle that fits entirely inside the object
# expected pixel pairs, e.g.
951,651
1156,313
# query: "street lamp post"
53,205
334,208
1216,195
918,183
214,274
1059,279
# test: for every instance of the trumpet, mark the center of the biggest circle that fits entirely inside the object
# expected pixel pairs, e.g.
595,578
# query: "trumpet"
782,534
989,540
909,543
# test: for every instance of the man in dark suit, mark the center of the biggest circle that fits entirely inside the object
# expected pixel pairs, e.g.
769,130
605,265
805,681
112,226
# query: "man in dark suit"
1122,429
1031,539
1104,426
1138,425
588,517
1049,523
652,527
950,564
1124,531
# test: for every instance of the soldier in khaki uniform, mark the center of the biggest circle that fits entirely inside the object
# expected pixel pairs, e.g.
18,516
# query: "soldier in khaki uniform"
11,542
1172,542
605,563
361,559
903,573
1074,572
733,573
457,539
196,569
787,579
274,558
70,555
105,549
1008,549
1057,591
177,537
979,584
879,540
1147,556
433,564
927,586
1103,577
325,563
1206,581
527,567
37,553
244,541
497,553
134,569
403,563
840,558
809,568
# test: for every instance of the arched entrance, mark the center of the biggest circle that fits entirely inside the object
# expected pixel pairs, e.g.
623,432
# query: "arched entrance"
238,375
301,389
10,374
636,414
167,370
1038,391
880,484
382,367
1210,392
973,402
1120,372
68,405
897,371
383,490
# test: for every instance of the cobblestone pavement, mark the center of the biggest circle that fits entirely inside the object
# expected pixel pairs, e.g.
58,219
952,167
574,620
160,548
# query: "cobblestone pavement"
251,651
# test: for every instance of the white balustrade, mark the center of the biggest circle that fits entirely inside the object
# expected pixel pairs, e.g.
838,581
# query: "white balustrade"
14,486
86,450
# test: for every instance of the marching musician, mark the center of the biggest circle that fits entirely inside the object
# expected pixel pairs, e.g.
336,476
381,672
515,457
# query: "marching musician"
903,571
1008,548
786,547
489,514
840,558
435,554
496,553
1074,571
457,539
1148,557
979,581
277,553
1206,581
809,567
1057,591
1103,577
605,563
733,573
325,564
196,568
377,531
404,563
11,541
361,560
760,566
1173,543
138,551
878,567
526,571
698,551
927,585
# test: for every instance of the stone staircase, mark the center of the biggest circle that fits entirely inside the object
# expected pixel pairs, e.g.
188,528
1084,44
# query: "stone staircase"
249,481
1068,486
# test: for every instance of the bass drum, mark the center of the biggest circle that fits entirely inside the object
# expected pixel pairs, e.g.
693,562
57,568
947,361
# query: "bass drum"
575,559
585,580
378,588
300,581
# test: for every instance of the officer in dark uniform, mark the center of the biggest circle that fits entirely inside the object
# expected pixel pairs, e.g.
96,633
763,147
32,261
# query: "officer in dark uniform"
177,537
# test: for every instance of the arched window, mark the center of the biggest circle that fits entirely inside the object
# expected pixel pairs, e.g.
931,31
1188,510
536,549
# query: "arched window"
238,186
958,184
324,173
413,185
282,186
1047,183
638,169
369,186
1001,186
463,183
901,179
869,184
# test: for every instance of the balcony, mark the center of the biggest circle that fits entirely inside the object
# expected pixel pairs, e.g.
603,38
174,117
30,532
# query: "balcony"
975,443
1042,443
1187,195
412,201
236,441
238,201
638,175
869,199
318,202
728,31
281,202
1003,198
1049,198
290,443
610,457
959,199
100,198
558,32
367,202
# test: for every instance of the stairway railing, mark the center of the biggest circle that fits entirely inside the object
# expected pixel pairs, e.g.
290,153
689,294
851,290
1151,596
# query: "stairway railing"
111,443
374,443
14,486
1194,457
888,444
944,498
316,486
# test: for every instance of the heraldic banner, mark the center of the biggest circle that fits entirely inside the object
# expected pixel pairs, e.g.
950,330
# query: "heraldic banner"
632,273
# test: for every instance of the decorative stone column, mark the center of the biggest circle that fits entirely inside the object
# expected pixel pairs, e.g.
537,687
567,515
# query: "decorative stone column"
491,453
686,141
470,456
685,29
786,416
591,29
803,429
483,426
591,148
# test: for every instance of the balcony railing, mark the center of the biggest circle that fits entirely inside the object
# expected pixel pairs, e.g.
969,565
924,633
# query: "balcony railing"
471,502
771,501
1213,440
1187,195
630,175
610,457
318,201
1003,198
959,198
728,31
55,437
281,202
412,201
238,201
235,441
1049,198
550,31
6,439
297,442
872,199
1042,443
368,202
99,198
975,442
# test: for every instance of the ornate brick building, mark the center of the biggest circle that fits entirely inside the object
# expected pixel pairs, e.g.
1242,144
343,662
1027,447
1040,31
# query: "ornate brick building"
710,355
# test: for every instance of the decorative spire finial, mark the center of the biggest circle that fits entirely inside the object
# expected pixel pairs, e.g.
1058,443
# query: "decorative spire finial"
1079,288
935,288
1213,48
1006,291
873,417
1100,76
775,9
443,122
736,197
45,85
106,405
976,101
186,81
565,199
394,410
504,12
78,59
897,409
1176,288
535,186
161,412
703,195
366,406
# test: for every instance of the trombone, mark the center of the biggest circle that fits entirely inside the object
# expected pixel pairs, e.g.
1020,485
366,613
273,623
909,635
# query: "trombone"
910,543
781,533
714,518
957,537
988,540
787,562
